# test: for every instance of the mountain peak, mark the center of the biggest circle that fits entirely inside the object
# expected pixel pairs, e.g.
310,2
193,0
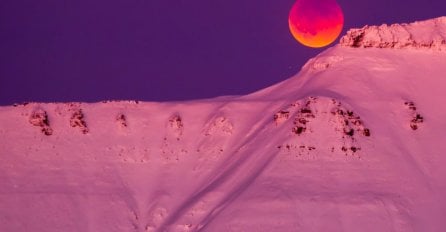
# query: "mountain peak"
427,34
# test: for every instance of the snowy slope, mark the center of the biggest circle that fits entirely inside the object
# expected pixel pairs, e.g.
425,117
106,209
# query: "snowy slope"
353,142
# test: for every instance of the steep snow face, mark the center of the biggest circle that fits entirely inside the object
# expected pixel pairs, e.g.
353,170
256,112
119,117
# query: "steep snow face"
354,142
430,34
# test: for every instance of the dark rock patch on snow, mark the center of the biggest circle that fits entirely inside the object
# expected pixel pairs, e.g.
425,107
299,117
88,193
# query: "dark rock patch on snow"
121,119
313,117
39,118
77,120
416,118
176,126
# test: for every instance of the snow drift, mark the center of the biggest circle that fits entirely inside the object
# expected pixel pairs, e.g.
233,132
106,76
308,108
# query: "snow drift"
353,142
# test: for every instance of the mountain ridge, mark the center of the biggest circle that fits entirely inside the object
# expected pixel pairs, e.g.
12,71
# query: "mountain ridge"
427,34
352,142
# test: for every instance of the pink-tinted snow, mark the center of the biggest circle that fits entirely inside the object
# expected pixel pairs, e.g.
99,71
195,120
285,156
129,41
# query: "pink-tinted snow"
353,142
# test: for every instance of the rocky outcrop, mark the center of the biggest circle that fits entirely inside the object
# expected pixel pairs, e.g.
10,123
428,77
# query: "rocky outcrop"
176,126
77,120
415,117
429,34
121,119
310,119
39,118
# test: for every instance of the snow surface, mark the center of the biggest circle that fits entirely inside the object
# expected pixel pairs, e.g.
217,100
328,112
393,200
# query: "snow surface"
353,142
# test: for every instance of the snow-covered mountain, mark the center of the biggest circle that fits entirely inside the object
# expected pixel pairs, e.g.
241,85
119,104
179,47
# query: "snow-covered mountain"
354,142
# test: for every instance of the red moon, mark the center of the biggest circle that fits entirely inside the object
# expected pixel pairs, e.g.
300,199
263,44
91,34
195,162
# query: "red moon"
316,23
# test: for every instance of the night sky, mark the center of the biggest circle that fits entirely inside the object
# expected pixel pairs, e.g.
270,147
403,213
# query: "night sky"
159,50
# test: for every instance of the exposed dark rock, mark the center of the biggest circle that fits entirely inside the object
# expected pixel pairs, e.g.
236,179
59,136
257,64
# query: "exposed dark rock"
417,119
176,125
303,116
350,132
357,39
366,132
122,120
77,120
298,130
40,118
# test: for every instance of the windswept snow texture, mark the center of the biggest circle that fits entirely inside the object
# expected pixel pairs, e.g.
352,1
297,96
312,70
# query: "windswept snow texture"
354,142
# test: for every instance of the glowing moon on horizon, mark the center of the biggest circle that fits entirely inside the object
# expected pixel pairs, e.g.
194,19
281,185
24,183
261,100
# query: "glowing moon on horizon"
316,23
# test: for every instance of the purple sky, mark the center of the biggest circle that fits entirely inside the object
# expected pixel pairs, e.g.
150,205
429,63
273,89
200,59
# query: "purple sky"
158,50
